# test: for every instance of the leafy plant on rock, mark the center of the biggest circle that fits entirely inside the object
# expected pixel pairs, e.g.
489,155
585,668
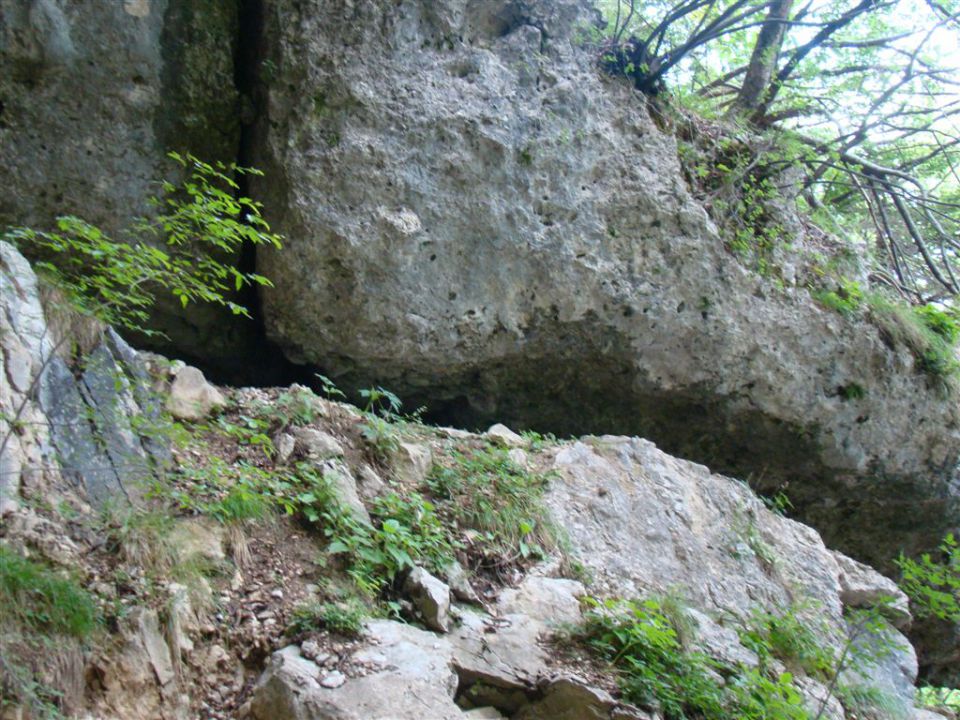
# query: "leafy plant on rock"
345,618
788,637
485,491
933,584
655,670
44,618
184,249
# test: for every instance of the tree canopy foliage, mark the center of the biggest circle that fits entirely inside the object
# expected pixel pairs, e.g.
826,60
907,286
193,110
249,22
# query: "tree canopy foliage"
867,91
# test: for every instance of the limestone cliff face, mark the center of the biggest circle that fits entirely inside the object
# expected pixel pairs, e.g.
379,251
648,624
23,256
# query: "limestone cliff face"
480,221
94,95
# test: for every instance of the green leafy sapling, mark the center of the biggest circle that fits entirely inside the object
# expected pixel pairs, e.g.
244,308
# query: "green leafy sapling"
183,248
933,585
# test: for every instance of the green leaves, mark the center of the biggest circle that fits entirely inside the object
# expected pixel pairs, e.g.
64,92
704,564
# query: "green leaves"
933,585
788,637
641,641
484,490
380,400
345,618
188,249
43,601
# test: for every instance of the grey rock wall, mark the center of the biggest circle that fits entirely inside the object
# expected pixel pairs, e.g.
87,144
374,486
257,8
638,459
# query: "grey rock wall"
481,222
93,95
92,423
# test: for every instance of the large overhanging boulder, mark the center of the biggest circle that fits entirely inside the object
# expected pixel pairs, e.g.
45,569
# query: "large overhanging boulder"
481,222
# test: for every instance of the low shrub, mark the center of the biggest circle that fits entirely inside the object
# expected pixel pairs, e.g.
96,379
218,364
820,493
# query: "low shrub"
641,643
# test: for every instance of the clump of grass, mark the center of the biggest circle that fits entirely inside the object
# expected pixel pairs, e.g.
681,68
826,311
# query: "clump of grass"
788,637
36,598
846,299
242,506
344,618
485,491
45,616
142,538
642,644
928,332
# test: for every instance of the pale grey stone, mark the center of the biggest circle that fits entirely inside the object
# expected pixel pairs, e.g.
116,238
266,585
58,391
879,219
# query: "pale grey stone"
191,396
369,483
646,524
483,713
863,587
333,680
431,596
414,681
552,601
317,444
503,436
284,444
344,486
519,457
410,463
459,583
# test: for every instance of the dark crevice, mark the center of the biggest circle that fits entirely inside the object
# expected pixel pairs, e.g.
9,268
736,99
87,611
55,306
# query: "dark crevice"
229,349
266,363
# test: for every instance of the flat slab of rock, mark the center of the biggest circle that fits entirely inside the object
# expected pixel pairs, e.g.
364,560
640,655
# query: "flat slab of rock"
415,681
643,522
863,587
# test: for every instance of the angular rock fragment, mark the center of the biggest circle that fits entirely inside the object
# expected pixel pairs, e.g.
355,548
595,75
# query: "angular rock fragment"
504,437
191,396
431,597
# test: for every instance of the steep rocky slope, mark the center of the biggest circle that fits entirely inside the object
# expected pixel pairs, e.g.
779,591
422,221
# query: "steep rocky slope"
479,220
195,593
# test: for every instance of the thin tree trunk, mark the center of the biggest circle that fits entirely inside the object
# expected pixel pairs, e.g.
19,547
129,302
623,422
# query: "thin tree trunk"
763,60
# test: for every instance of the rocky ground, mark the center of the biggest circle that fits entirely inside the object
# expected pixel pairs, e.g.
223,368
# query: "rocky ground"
273,554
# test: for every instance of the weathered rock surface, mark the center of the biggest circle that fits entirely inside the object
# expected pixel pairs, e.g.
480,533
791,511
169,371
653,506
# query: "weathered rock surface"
640,522
863,587
345,487
140,682
82,423
503,436
480,221
491,664
191,396
93,96
124,82
644,523
416,681
410,463
431,596
25,346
